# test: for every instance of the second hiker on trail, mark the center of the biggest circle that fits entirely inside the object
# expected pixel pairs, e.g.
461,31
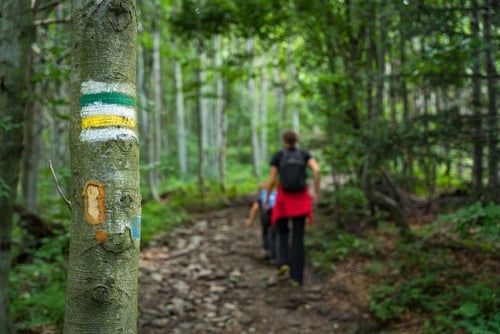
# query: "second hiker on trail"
293,203
268,234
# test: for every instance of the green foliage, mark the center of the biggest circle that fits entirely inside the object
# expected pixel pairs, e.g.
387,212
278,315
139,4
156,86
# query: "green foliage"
7,124
477,221
327,247
433,285
158,217
351,200
39,287
4,189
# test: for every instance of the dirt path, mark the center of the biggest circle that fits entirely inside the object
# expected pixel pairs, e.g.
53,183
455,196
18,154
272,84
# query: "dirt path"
208,277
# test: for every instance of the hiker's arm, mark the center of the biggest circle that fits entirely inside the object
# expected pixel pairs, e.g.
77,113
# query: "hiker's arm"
316,176
271,183
253,212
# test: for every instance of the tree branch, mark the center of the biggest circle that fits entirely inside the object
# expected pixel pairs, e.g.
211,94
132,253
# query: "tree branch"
68,203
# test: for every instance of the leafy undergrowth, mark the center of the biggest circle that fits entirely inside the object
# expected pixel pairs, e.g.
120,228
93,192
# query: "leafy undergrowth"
443,281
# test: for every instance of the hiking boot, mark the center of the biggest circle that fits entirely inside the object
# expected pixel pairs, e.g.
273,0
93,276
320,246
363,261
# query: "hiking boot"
283,271
295,284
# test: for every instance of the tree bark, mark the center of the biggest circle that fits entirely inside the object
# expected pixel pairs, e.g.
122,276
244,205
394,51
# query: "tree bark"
106,203
155,126
493,184
254,113
220,124
202,131
31,152
181,131
264,111
16,29
477,142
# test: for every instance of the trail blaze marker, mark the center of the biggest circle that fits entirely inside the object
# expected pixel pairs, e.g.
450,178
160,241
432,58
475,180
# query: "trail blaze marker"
94,196
100,235
108,111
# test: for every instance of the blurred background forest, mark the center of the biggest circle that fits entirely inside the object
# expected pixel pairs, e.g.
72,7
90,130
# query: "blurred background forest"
397,100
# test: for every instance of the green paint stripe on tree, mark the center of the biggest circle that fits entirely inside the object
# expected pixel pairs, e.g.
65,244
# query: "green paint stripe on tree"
115,98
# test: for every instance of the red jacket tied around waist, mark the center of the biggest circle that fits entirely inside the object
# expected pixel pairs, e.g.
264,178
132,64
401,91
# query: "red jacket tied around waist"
292,205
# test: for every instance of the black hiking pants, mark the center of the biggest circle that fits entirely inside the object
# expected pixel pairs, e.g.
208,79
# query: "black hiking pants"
268,235
291,254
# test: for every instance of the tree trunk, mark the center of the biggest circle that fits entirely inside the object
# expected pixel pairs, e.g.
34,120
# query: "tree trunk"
181,131
219,115
493,191
200,106
142,99
155,126
254,114
16,29
31,152
264,111
292,79
106,203
280,93
477,142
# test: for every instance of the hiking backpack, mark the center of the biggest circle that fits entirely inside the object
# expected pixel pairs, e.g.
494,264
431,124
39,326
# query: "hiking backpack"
292,170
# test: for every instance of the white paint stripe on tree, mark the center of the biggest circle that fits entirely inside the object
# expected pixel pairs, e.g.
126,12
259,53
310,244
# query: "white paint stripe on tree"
105,134
95,87
108,109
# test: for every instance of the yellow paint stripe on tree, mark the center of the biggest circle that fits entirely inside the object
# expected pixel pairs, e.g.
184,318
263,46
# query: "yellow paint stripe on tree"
101,121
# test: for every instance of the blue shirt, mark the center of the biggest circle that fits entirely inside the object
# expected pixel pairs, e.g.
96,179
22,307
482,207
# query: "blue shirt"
272,198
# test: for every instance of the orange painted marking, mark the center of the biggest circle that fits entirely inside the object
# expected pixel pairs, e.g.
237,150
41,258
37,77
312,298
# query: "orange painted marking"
100,236
94,196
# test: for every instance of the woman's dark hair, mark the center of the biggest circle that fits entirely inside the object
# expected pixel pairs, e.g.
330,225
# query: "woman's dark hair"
290,137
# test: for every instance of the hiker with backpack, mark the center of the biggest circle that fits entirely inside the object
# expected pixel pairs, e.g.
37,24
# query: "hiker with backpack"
268,234
293,203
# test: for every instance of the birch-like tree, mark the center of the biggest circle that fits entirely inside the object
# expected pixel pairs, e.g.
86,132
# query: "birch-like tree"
16,29
254,113
181,129
220,116
105,195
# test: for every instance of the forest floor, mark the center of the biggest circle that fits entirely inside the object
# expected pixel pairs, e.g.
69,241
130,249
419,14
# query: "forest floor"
210,276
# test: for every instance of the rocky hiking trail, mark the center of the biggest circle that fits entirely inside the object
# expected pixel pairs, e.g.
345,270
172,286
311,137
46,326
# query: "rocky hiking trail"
209,276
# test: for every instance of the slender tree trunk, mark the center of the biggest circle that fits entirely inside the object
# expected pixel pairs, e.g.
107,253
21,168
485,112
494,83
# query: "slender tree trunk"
292,78
219,114
280,92
155,127
181,131
106,202
142,99
477,142
200,106
16,29
408,157
264,111
31,152
493,184
254,114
